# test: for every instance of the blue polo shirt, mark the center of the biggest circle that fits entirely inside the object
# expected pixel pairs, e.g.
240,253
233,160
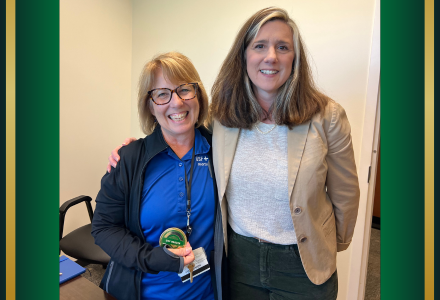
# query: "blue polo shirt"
163,205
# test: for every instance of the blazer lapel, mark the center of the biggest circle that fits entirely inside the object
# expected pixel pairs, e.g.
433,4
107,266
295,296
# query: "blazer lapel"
224,143
296,140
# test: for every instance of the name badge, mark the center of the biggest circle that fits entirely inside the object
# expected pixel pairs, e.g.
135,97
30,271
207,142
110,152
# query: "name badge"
201,265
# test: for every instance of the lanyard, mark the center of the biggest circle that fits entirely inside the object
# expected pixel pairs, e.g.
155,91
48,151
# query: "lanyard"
188,192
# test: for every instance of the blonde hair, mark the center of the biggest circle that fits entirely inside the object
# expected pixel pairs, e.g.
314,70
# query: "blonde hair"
176,68
233,101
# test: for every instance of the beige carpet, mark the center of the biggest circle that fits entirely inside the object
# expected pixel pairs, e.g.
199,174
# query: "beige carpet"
372,288
94,273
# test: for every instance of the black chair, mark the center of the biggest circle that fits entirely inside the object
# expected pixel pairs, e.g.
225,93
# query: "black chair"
80,243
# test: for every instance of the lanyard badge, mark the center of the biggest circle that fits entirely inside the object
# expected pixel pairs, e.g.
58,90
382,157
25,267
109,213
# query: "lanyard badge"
174,237
188,193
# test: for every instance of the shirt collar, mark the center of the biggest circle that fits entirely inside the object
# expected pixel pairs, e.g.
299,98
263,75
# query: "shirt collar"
201,145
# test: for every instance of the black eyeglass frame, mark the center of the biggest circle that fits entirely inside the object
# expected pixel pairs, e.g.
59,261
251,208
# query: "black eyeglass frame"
150,96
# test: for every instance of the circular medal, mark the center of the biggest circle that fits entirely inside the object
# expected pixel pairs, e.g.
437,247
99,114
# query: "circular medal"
173,237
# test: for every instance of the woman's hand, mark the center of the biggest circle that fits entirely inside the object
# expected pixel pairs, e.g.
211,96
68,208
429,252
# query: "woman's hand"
186,253
114,157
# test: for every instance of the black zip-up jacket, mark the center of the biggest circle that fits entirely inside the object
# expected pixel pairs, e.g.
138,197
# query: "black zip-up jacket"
116,223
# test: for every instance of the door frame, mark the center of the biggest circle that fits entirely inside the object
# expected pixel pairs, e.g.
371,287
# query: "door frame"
367,169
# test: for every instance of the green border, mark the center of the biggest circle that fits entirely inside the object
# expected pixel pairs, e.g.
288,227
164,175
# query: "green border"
37,149
402,141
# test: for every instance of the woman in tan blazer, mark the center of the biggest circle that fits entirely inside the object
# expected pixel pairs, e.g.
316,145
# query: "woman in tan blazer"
284,165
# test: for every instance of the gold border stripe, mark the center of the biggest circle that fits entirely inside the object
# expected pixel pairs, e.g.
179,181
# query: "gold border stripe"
429,149
10,149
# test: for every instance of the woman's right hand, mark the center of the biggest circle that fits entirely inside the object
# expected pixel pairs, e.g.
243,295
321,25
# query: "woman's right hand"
114,156
186,253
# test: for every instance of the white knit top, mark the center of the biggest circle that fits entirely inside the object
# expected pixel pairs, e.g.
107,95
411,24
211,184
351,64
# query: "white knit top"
257,191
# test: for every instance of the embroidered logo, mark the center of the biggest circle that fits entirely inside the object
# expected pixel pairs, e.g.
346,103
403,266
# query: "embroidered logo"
200,159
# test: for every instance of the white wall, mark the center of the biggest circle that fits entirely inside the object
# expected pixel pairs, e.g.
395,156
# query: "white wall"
337,34
95,93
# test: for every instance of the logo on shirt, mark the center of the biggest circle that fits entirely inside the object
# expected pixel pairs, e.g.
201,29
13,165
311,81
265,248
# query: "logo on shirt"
202,160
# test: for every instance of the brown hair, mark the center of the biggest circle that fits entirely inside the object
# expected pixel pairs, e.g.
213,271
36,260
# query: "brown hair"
176,68
233,101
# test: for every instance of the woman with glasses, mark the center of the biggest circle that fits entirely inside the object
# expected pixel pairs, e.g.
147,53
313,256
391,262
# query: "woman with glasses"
162,192
284,165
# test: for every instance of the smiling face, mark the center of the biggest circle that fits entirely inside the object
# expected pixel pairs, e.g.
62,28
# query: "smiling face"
178,117
269,58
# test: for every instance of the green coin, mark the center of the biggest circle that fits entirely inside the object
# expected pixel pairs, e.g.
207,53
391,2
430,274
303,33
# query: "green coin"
173,237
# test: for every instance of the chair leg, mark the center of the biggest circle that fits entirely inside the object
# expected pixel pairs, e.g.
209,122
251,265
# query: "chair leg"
82,263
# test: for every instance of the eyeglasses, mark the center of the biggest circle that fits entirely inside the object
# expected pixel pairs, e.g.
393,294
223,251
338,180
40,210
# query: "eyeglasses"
162,96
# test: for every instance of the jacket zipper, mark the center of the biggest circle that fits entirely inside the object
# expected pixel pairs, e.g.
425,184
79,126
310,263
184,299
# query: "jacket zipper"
141,185
108,277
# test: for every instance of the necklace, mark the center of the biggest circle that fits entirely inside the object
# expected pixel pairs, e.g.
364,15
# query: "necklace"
258,129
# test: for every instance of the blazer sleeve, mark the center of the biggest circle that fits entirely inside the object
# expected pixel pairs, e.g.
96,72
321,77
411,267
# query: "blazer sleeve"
110,231
342,181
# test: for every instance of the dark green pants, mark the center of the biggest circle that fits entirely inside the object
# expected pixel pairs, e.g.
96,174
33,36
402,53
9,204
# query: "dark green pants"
263,271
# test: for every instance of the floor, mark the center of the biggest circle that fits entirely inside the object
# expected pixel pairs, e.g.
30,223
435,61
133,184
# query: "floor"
372,288
94,273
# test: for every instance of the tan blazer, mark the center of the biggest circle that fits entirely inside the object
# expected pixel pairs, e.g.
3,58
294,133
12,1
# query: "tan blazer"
323,186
